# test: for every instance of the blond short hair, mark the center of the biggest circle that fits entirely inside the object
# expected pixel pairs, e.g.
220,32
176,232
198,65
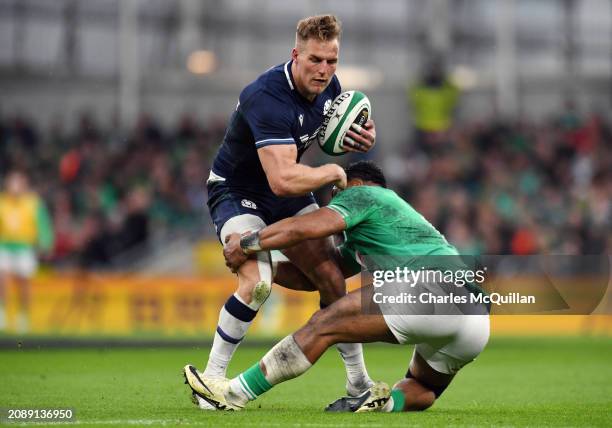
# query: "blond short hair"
320,27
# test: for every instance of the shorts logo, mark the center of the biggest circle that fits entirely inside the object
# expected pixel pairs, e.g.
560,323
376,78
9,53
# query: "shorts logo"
248,204
326,107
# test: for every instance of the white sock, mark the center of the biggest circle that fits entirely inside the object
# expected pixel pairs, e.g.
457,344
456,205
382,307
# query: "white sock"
238,390
235,318
356,372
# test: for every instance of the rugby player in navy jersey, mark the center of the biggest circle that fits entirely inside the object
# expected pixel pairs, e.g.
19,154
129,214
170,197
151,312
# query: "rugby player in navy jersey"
256,179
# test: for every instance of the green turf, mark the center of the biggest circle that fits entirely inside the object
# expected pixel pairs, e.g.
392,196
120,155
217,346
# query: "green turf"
515,382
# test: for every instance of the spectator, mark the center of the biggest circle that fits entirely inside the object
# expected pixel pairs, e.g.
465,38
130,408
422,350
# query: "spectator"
433,100
24,225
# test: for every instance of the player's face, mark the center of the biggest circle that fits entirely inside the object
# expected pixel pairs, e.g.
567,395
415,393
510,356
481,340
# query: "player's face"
314,65
16,184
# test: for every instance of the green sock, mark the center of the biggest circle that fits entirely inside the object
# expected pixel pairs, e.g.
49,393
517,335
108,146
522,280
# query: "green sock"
253,382
398,400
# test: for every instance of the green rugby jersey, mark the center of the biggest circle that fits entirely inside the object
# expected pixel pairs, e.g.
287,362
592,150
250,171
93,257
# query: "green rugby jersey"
390,233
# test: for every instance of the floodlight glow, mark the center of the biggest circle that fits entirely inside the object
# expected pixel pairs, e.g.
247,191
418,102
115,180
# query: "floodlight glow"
202,62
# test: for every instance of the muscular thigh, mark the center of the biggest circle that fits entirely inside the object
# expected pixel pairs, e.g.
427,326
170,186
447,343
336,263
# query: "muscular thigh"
345,321
289,276
315,259
310,255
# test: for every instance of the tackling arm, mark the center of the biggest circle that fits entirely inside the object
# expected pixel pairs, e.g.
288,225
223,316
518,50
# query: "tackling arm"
285,233
289,178
290,231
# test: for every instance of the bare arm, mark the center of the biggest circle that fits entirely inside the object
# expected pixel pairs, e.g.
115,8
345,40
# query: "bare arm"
289,178
285,233
290,231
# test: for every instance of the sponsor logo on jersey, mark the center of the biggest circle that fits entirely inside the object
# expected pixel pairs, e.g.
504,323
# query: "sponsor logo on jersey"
306,140
326,106
248,204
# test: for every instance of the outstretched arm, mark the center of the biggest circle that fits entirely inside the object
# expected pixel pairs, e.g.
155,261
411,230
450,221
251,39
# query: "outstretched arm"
285,233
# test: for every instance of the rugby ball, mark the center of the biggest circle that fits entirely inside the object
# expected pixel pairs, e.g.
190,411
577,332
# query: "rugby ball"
348,108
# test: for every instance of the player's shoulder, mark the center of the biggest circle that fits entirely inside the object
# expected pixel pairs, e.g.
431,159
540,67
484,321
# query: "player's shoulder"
37,198
371,191
272,86
368,197
359,196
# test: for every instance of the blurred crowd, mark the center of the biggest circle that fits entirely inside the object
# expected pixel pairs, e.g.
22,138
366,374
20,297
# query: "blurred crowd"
108,193
491,187
520,187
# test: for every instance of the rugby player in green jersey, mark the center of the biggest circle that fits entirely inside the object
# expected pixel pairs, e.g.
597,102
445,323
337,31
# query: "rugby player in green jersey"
382,232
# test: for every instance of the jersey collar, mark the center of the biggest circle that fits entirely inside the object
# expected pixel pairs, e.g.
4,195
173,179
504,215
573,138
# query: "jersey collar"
288,74
291,82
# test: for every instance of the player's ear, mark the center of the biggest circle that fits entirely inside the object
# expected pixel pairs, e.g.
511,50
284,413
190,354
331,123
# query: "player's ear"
294,53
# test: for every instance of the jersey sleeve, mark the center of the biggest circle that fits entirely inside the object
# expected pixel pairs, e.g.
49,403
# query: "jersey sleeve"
270,121
354,204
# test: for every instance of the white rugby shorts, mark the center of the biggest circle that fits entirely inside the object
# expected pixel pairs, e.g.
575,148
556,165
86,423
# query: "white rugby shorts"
444,336
21,262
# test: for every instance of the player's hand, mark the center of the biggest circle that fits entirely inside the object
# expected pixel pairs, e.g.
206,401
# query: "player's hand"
360,139
234,256
340,182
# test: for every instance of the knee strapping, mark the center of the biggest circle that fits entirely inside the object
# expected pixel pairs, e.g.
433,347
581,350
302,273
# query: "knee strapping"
263,288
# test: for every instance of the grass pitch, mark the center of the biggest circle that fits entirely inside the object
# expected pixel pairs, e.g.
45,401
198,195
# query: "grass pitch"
515,382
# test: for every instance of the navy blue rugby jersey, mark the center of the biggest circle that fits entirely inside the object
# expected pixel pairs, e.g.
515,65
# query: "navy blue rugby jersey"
270,111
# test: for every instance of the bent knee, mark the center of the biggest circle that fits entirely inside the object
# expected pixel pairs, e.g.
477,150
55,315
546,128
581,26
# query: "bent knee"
423,402
418,397
330,282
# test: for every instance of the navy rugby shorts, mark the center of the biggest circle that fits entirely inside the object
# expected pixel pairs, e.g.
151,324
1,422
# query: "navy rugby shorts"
225,202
